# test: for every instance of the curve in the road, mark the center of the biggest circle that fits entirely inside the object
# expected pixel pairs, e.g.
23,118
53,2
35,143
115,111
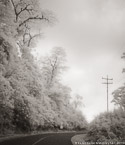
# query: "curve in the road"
43,139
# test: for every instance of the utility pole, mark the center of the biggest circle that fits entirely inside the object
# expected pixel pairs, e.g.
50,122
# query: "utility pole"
107,83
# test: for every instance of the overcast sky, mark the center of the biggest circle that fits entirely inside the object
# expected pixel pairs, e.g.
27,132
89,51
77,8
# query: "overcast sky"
92,32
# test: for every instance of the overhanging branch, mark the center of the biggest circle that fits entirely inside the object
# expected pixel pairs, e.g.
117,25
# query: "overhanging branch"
33,18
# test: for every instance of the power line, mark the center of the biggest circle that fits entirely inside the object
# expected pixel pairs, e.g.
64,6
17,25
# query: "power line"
107,83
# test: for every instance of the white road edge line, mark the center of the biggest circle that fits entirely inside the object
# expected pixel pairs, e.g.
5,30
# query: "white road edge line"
40,140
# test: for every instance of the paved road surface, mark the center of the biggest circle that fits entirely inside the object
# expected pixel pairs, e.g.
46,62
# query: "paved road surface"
44,139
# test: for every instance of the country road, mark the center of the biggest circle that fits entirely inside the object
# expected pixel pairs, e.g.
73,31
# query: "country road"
43,139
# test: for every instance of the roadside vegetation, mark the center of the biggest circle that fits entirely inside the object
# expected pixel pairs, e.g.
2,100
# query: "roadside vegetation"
110,126
32,97
107,127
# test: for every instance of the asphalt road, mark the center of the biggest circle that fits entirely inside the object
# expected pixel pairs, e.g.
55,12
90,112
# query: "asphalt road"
43,139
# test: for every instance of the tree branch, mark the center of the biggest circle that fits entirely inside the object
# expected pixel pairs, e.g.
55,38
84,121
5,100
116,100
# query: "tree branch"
27,37
54,66
21,10
14,7
32,37
33,18
24,9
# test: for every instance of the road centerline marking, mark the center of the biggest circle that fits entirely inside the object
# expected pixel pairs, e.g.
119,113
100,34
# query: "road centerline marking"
41,140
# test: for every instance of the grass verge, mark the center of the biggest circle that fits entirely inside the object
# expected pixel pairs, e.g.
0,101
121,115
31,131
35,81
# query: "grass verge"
78,139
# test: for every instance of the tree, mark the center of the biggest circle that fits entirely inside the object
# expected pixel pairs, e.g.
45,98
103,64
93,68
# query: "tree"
6,104
123,57
53,66
119,94
23,20
119,97
28,17
7,25
77,101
